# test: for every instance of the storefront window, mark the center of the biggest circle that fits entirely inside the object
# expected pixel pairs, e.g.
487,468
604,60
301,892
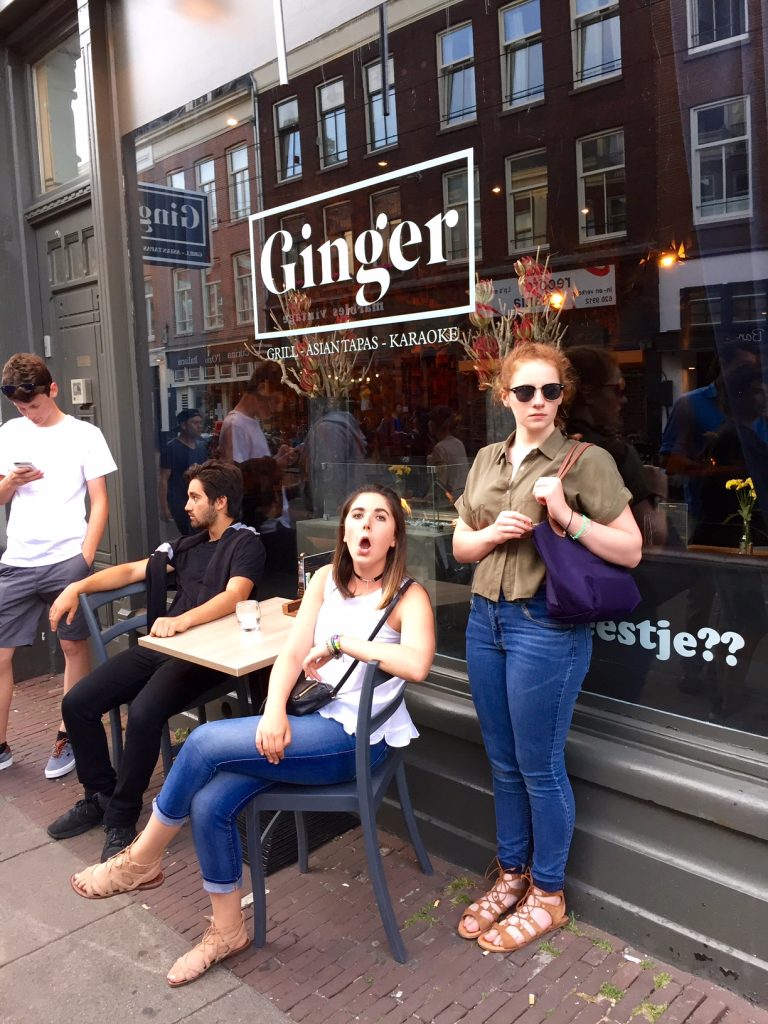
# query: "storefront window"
62,122
336,303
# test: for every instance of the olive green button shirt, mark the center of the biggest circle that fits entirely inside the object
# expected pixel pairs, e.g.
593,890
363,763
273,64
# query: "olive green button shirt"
593,486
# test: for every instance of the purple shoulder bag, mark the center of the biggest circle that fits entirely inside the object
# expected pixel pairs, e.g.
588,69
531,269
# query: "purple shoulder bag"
581,586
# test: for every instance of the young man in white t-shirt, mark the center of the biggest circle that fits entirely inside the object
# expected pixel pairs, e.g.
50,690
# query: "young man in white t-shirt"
48,461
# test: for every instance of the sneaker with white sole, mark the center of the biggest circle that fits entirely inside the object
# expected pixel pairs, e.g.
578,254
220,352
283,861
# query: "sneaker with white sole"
6,758
61,761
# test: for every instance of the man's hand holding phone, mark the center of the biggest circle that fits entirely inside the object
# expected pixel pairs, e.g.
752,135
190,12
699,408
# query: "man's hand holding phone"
25,473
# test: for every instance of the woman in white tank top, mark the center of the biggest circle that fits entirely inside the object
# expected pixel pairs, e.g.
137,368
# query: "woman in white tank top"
222,765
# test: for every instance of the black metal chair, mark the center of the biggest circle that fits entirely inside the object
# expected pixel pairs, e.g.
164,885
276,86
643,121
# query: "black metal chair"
362,797
133,623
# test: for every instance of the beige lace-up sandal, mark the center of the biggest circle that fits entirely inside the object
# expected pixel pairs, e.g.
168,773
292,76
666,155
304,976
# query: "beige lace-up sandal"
216,945
537,914
120,873
507,890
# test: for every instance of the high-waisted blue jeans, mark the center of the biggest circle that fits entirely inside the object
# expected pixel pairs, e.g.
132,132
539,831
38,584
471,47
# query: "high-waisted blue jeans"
219,770
525,672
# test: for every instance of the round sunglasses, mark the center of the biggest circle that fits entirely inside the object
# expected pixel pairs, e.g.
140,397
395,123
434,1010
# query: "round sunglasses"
525,392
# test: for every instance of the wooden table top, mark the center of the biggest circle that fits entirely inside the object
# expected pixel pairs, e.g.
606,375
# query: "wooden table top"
224,646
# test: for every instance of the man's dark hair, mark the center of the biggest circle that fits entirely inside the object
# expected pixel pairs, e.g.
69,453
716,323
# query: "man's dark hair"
265,372
186,414
27,371
219,479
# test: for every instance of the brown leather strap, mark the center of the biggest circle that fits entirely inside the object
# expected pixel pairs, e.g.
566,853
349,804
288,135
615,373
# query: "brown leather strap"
573,457
567,465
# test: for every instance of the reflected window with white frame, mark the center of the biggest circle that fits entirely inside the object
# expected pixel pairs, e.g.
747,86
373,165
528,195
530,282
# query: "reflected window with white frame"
61,114
287,139
522,69
332,123
596,40
239,183
456,75
386,214
205,178
337,226
704,308
602,186
213,303
149,307
748,307
176,179
720,140
527,200
293,225
455,197
182,301
715,21
381,128
241,266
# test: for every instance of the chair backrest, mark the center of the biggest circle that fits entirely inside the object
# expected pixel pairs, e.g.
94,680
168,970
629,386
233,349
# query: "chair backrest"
368,723
103,635
309,564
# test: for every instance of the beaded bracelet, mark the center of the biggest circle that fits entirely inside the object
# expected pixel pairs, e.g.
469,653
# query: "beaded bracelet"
586,524
335,644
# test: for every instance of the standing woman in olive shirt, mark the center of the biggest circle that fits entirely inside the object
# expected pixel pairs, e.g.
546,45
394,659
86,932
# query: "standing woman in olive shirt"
526,669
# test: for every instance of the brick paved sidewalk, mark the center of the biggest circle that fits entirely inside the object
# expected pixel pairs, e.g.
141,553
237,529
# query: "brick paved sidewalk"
327,957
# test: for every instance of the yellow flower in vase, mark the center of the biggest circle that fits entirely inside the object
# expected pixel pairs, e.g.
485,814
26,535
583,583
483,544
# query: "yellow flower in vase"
746,495
399,472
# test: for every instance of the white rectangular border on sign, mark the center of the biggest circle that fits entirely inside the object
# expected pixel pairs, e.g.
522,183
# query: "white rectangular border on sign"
466,155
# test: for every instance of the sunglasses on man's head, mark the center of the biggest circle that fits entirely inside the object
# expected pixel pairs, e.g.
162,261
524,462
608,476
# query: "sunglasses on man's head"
23,392
525,392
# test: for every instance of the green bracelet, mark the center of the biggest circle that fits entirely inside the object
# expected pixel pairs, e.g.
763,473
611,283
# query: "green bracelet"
585,524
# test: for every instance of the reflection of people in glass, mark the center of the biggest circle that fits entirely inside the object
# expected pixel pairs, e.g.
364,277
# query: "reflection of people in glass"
334,455
223,764
243,441
693,423
449,456
595,416
525,668
183,451
736,449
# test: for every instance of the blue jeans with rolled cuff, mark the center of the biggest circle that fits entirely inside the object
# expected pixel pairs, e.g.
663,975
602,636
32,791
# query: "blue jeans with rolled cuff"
525,672
219,770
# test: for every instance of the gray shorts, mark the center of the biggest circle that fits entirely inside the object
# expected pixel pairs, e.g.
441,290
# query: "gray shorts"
26,591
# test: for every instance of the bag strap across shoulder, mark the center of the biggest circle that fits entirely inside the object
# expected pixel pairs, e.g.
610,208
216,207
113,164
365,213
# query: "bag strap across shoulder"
567,465
385,615
573,457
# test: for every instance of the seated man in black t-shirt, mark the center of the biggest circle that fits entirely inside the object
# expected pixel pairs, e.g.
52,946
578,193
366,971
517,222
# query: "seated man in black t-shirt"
219,565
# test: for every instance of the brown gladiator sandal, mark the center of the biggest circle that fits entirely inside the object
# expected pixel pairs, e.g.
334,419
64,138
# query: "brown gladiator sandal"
508,889
533,918
119,874
216,945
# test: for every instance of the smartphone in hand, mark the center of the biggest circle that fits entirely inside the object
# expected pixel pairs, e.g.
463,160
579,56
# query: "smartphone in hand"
25,465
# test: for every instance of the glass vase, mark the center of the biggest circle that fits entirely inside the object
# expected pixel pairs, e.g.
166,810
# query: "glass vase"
745,543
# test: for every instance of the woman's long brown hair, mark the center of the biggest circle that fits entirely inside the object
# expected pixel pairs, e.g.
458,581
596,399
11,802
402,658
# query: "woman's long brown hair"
394,569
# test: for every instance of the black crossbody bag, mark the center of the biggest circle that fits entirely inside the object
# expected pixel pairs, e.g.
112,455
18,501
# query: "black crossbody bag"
309,695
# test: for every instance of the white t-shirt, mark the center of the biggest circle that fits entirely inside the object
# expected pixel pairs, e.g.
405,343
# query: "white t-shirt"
47,521
357,616
249,442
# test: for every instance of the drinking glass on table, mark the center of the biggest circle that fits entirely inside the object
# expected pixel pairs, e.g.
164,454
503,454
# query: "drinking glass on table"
248,615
